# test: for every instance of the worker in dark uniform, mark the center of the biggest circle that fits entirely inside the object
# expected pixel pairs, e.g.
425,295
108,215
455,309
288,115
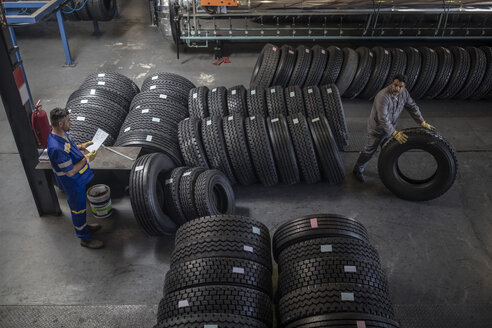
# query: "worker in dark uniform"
72,173
386,109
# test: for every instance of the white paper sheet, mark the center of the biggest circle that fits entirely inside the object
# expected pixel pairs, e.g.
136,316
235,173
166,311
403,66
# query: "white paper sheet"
98,140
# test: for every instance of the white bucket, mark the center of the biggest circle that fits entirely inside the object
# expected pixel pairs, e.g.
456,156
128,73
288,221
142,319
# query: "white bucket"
100,200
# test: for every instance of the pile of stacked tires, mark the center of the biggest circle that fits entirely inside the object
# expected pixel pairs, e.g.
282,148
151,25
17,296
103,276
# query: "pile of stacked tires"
434,73
164,197
152,121
329,275
101,102
220,275
89,10
269,135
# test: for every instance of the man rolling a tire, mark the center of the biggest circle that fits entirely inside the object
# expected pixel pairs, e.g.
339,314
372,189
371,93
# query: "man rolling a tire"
72,173
386,109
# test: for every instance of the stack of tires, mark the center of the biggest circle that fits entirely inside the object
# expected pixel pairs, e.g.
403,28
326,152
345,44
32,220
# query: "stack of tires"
101,102
164,197
89,10
220,275
434,73
154,115
268,135
329,275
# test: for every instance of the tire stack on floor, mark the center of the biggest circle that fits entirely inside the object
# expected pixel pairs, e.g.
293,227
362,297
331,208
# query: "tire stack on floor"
271,135
102,101
434,73
154,115
89,10
164,197
329,275
220,275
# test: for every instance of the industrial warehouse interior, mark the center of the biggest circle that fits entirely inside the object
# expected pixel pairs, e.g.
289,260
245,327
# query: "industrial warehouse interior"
435,255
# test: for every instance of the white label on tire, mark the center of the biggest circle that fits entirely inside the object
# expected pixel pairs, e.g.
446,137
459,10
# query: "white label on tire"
292,94
329,90
431,50
187,173
291,52
251,118
326,248
149,138
163,96
128,129
361,324
248,248
155,77
209,122
195,95
323,51
253,92
145,111
93,91
272,90
347,297
274,48
101,75
101,83
386,52
274,120
138,106
370,54
139,168
307,51
213,326
315,119
256,230
183,303
152,87
80,118
214,89
230,118
314,222
233,92
415,50
168,181
310,90
238,270
350,268
84,101
156,119
295,121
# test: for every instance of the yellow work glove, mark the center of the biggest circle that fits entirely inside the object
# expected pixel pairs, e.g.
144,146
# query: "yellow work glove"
427,126
84,145
91,156
400,136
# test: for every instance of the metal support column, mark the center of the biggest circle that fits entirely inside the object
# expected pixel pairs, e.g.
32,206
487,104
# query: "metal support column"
19,59
97,31
66,47
40,181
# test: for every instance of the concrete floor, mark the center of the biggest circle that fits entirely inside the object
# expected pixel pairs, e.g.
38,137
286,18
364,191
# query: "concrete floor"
437,254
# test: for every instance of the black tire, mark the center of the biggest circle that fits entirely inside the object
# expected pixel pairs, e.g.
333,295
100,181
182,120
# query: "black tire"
236,101
317,271
197,102
414,63
485,88
164,92
115,85
462,63
237,149
214,194
187,192
190,142
335,114
215,148
158,79
167,102
117,113
444,70
318,65
333,66
398,64
316,226
265,67
294,100
221,320
68,10
102,10
363,73
218,271
332,298
427,74
261,150
83,132
313,101
217,299
147,193
97,118
418,190
303,63
105,75
275,101
343,320
343,247
83,10
347,72
168,113
477,72
171,195
304,148
285,156
285,66
256,101
217,102
380,70
106,97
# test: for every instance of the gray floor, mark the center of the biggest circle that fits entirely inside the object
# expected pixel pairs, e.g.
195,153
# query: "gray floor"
437,254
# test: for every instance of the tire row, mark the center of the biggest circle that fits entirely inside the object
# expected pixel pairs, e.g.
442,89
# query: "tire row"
329,275
89,10
164,197
439,73
154,115
220,275
101,102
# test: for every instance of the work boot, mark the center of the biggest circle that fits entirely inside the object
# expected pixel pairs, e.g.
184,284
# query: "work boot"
93,243
93,227
359,175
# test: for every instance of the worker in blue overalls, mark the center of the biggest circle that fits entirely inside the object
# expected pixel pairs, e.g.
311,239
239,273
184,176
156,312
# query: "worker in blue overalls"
72,173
